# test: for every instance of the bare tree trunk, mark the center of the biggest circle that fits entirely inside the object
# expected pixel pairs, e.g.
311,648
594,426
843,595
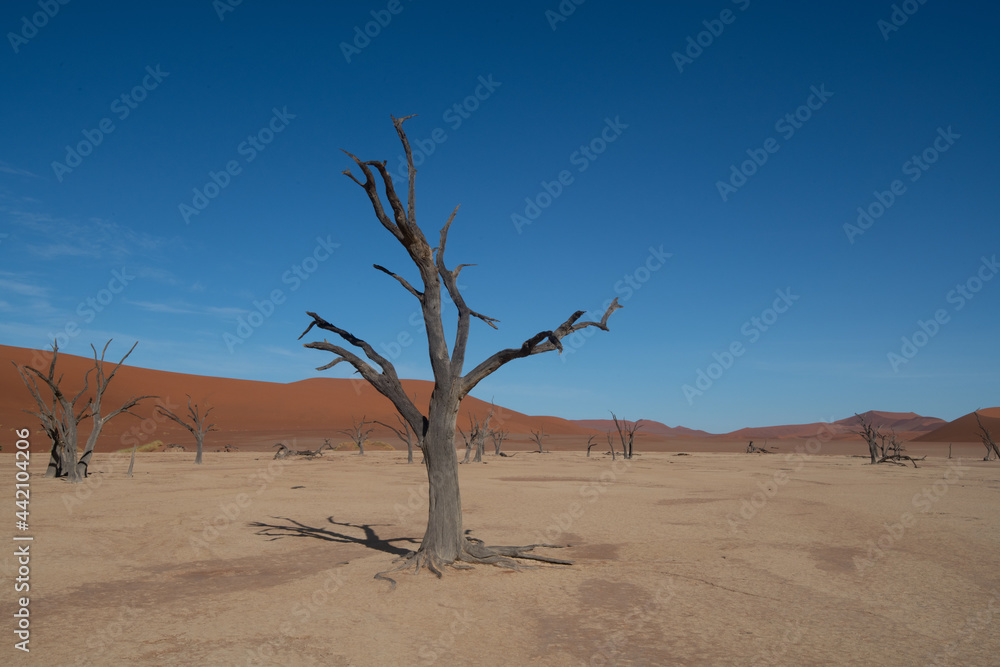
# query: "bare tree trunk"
200,438
131,461
443,540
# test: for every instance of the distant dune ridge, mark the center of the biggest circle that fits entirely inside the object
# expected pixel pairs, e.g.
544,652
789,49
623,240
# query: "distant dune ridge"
253,412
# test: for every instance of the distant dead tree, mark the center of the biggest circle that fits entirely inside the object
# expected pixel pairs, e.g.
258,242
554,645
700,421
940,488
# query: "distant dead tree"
871,435
883,447
537,436
445,540
284,452
758,449
404,433
60,416
498,435
626,432
358,433
611,445
984,434
194,422
590,443
478,432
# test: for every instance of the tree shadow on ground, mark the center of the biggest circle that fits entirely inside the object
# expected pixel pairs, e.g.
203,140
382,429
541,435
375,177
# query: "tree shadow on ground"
298,529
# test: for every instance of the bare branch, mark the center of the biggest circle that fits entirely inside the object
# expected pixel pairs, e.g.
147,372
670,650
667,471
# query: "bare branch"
534,345
402,281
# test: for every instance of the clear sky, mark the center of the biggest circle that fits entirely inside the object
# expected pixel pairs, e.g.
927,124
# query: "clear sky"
167,169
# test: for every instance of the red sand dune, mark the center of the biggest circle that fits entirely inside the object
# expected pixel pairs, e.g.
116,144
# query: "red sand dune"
254,415
965,429
246,412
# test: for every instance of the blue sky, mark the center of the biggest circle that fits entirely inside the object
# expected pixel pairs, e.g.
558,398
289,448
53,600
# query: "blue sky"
166,171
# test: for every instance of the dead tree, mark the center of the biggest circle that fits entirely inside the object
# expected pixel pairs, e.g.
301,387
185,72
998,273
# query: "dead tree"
611,445
478,430
60,416
358,433
197,424
537,436
590,443
626,432
871,434
757,449
444,541
404,433
987,438
99,420
285,452
498,435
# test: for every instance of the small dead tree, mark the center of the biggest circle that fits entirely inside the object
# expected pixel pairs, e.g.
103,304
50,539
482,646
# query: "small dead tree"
611,445
478,431
537,436
626,432
590,444
498,435
445,540
195,423
358,433
404,433
992,451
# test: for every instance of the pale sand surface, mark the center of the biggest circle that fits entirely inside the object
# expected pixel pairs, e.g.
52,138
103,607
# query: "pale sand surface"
667,571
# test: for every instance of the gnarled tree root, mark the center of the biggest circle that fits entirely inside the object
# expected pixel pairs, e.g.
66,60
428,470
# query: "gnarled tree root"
473,551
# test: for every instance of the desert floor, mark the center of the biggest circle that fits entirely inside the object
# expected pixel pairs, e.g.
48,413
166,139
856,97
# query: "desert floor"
700,559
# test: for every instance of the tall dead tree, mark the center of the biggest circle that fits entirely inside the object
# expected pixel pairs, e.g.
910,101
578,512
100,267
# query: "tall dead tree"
871,434
358,433
60,416
987,438
404,433
626,433
195,423
444,540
